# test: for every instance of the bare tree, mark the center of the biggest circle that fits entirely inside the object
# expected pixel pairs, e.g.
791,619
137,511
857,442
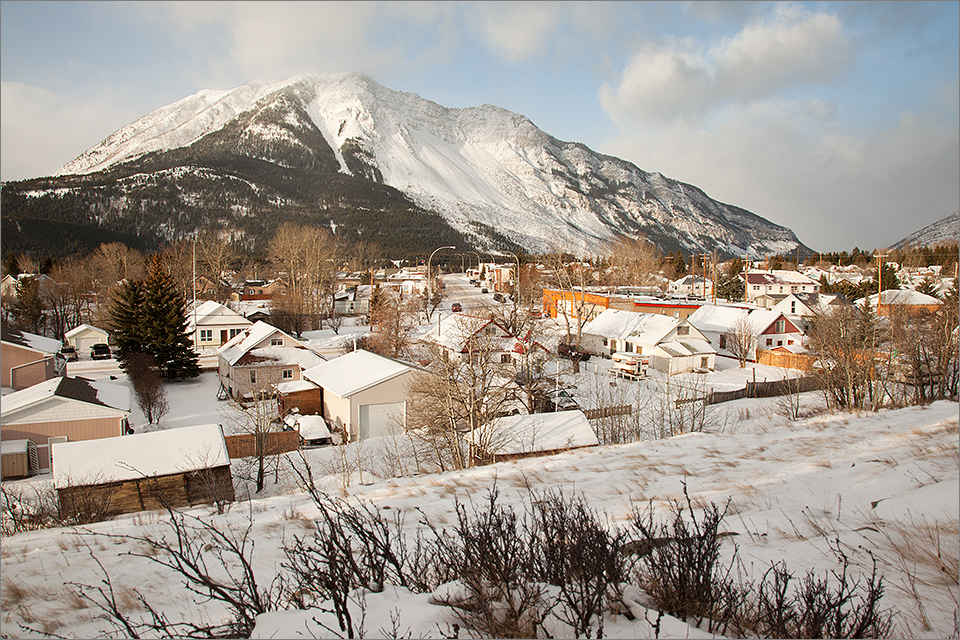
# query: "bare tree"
635,262
394,319
741,340
147,386
214,255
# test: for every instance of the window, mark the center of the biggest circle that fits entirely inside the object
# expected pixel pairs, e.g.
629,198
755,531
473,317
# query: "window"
793,306
287,374
504,358
206,335
235,332
779,343
793,289
604,342
781,326
703,361
253,377
683,331
723,341
769,341
789,341
276,342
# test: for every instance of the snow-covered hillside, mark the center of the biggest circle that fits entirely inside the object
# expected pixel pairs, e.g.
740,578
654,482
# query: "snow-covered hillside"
486,170
943,230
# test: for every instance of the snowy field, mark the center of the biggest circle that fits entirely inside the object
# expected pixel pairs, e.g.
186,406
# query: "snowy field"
885,482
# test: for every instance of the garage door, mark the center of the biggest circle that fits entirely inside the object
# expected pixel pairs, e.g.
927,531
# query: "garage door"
378,420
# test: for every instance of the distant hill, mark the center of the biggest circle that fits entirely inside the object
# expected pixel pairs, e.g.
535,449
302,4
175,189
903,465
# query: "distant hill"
941,231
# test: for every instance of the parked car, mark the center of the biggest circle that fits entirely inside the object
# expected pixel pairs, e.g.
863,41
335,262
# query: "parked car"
498,297
573,352
456,307
484,290
100,351
69,353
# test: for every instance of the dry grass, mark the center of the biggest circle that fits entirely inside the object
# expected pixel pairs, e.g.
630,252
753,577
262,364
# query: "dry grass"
925,555
13,593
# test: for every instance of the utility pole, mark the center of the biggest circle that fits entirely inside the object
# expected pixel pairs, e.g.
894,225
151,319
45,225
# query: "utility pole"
880,257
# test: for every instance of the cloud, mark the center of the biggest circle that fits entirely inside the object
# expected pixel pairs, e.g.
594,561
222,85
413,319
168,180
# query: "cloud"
40,130
515,31
687,79
780,160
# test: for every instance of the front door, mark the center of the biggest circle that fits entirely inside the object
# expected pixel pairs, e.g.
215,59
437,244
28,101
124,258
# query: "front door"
223,336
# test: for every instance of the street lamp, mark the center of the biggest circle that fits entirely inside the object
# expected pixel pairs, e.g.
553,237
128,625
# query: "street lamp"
429,281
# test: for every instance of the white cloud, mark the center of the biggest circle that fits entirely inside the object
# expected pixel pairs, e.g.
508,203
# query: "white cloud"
40,131
686,79
515,30
836,190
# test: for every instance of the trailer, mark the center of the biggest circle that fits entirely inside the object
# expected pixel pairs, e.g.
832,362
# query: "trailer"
630,365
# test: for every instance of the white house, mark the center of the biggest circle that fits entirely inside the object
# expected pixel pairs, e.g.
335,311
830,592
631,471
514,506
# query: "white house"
767,288
212,324
770,329
259,358
85,336
672,344
364,394
691,286
460,335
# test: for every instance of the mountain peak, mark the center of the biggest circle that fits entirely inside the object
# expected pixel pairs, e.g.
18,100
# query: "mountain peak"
490,173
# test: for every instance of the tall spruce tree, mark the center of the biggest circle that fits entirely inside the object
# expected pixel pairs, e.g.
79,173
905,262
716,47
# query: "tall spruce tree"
149,316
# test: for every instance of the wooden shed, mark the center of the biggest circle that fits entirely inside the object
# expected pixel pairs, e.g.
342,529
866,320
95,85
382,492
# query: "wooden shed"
174,468
18,459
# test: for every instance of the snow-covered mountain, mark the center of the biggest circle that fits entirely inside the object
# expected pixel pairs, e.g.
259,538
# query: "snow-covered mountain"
490,174
943,230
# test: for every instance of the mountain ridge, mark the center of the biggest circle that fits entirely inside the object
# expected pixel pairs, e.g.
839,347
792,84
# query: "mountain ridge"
493,177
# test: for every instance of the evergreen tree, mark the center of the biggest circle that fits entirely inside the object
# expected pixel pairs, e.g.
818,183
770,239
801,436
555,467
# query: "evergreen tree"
28,309
149,317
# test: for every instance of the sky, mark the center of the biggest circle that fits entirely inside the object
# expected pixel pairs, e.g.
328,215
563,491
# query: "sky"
838,120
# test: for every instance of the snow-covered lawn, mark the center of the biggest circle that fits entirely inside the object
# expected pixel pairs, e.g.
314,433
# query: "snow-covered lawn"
885,482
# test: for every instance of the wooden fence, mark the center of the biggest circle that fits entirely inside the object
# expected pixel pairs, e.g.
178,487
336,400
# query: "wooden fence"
244,445
764,390
606,412
786,360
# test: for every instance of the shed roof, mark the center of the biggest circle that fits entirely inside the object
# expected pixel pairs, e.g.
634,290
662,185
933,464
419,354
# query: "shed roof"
354,372
158,453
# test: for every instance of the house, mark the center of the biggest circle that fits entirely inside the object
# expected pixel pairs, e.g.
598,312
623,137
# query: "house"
212,324
673,345
767,288
85,336
26,359
802,308
172,468
535,434
902,301
259,358
566,303
64,409
770,329
691,286
460,336
364,395
261,290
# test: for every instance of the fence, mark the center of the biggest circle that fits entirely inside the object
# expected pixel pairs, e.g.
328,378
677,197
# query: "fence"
786,360
606,412
764,390
244,445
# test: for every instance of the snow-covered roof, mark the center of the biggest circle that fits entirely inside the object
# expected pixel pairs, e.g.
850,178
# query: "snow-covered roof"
251,338
355,372
681,348
142,455
295,385
212,312
304,357
723,319
113,396
84,328
312,427
538,432
646,328
903,296
14,446
31,341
